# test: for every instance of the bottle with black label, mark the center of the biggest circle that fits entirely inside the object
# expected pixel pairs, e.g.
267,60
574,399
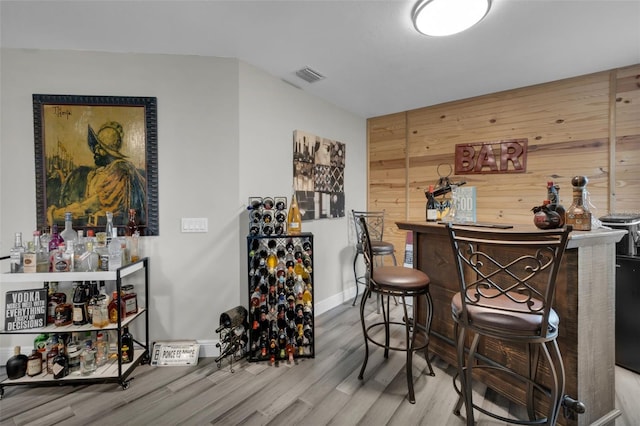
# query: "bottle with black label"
60,363
80,302
126,349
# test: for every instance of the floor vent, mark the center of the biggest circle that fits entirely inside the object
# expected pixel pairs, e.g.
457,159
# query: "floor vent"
309,75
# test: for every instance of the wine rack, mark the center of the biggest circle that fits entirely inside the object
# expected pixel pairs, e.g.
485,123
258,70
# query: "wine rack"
281,312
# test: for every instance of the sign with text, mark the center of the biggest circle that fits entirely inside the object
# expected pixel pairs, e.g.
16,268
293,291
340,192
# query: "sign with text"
466,204
507,156
25,309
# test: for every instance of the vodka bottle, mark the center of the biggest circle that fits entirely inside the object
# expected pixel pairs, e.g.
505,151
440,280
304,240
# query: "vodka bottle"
17,254
68,233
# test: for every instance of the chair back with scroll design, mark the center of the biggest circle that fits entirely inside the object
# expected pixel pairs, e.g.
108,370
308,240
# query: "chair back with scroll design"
507,283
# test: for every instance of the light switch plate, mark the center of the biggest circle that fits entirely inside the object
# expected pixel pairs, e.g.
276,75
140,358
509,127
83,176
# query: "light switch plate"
195,224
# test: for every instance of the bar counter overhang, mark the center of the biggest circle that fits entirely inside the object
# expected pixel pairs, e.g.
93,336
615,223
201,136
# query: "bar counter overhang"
585,302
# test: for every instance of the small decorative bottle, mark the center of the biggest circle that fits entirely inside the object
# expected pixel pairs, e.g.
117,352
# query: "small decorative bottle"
578,215
17,364
109,229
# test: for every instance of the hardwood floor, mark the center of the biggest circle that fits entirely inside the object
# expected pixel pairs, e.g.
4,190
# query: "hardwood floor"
320,391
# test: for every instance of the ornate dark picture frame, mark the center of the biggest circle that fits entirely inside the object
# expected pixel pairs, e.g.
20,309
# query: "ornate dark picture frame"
95,154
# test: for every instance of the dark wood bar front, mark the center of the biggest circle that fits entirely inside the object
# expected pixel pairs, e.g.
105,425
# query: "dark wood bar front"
585,299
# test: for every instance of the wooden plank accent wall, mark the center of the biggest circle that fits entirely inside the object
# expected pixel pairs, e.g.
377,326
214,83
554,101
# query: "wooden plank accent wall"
568,124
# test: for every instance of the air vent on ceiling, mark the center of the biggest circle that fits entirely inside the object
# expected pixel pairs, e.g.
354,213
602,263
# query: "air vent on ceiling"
309,75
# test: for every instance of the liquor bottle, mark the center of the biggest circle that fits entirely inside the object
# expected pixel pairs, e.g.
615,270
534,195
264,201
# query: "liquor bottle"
132,233
129,299
60,259
553,195
29,264
73,353
34,363
294,219
64,314
115,254
132,226
54,298
40,343
16,365
17,254
79,249
578,214
100,312
69,255
45,237
109,228
68,233
102,250
55,240
446,189
60,367
432,208
88,359
92,299
53,352
114,305
42,257
126,348
102,349
80,301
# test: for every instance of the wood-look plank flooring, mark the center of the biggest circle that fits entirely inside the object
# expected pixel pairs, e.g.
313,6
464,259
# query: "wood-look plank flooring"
320,391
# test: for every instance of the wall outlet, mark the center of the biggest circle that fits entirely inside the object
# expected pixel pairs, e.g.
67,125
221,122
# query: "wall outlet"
195,224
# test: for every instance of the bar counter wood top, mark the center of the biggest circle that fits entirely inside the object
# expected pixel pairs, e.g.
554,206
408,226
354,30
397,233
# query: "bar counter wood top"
585,302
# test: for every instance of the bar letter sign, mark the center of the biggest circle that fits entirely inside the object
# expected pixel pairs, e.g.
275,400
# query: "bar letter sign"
25,309
507,156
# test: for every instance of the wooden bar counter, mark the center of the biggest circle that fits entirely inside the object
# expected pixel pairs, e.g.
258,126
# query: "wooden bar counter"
585,302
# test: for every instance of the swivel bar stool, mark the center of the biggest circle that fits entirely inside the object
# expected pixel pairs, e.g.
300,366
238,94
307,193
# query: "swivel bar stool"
379,247
401,283
507,282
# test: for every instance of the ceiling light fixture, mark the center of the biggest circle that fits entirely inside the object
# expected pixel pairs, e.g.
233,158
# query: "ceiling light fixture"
447,17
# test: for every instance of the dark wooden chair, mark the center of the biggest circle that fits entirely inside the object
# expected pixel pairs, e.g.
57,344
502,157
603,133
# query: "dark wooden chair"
507,287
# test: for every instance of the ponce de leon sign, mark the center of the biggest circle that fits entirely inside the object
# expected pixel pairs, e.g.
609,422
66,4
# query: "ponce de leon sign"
506,156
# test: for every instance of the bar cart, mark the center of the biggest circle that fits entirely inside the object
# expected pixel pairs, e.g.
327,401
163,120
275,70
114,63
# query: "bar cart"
113,371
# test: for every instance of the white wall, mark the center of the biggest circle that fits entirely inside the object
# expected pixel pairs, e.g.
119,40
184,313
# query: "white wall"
224,134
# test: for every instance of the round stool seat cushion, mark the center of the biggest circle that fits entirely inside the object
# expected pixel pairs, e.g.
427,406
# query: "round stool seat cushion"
502,313
381,247
399,278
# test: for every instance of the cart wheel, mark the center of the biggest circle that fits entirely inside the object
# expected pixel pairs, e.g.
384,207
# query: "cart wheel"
125,385
1,392
145,358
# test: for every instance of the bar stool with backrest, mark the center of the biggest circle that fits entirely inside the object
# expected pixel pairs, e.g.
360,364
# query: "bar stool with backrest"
507,282
379,247
401,283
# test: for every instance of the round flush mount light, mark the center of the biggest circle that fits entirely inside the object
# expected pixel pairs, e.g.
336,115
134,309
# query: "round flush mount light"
447,17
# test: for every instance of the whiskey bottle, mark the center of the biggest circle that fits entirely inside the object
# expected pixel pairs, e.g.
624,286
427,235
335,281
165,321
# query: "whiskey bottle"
60,367
34,363
114,306
294,218
80,302
16,365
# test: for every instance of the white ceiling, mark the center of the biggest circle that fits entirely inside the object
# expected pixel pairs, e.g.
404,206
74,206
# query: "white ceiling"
374,61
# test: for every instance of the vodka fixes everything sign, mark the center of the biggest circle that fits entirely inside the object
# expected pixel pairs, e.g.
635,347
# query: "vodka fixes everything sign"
25,309
507,156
